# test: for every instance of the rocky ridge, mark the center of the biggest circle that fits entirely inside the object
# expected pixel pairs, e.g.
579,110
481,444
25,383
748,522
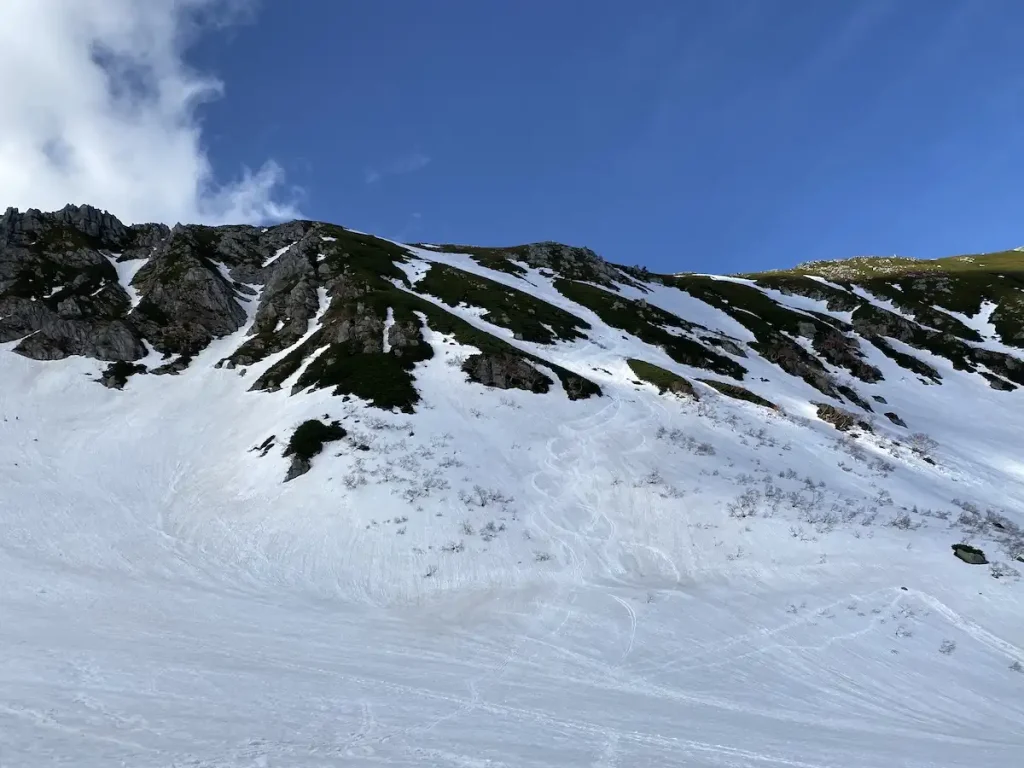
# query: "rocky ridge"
333,308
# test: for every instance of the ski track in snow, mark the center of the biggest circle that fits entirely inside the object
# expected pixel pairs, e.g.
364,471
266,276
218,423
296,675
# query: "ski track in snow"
165,600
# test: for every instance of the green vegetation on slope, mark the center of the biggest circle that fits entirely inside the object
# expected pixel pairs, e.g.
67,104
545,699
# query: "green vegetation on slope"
739,393
649,324
776,328
665,381
920,291
365,283
526,316
309,437
957,283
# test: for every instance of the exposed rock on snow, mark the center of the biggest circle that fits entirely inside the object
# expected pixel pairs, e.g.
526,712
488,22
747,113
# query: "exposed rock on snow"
969,554
505,372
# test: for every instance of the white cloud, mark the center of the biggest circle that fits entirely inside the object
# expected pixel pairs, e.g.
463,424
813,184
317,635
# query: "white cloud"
407,164
99,107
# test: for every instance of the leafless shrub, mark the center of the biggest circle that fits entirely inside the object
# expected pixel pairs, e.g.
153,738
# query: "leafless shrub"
354,480
745,505
881,467
1002,571
489,531
947,647
482,497
922,444
541,557
652,478
904,522
407,463
448,462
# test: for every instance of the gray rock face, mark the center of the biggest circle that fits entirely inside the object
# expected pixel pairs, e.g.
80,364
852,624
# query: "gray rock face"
60,292
895,419
298,467
577,263
505,372
970,555
186,301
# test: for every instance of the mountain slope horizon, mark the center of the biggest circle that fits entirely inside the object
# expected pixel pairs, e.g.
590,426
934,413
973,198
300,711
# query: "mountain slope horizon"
300,495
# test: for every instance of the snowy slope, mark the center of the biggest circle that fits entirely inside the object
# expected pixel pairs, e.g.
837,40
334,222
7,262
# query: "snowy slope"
507,578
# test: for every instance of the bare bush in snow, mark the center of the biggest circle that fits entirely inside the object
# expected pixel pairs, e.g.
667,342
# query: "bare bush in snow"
745,505
355,479
483,497
450,461
1002,571
923,445
904,522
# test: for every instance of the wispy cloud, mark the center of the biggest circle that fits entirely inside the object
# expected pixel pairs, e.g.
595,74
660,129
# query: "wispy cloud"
399,167
103,111
409,229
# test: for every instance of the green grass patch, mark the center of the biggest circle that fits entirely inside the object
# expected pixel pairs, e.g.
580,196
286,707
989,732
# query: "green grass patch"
739,393
363,256
665,381
526,316
384,380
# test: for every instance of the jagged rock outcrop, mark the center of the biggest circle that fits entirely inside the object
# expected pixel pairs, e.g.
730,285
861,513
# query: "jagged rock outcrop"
505,372
186,300
58,292
331,308
895,419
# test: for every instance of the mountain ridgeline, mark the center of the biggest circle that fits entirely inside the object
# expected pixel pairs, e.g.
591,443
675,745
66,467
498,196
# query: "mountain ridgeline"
320,306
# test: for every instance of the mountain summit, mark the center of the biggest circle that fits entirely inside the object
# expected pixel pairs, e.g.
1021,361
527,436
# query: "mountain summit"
301,495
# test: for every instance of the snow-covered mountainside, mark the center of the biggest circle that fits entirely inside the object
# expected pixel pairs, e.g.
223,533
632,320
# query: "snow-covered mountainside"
302,496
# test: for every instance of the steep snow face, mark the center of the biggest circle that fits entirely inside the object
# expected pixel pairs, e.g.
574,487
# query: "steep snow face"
508,578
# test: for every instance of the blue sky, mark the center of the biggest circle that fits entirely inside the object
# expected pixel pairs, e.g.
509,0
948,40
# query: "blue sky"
720,136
